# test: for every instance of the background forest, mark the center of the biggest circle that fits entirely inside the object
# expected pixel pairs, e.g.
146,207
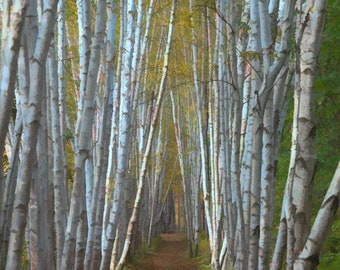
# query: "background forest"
120,120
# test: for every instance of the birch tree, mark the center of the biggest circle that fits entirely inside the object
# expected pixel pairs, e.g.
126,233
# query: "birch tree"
93,250
309,41
303,160
310,255
31,128
124,130
156,185
77,216
12,21
12,25
56,92
59,180
155,116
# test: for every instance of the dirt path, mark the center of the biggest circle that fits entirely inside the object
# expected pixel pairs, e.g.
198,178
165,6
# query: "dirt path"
171,255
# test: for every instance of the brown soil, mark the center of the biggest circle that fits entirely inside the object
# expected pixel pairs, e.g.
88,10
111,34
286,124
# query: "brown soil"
171,255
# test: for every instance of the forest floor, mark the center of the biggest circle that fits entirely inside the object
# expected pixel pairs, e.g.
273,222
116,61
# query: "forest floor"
171,255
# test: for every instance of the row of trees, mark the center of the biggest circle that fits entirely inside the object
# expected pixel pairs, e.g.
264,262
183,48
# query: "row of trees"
87,142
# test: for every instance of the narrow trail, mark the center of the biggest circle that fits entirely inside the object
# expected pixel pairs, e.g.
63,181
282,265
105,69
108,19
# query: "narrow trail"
171,255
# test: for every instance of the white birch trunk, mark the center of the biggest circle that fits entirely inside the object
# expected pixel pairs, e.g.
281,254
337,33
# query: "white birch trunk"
10,187
112,158
285,21
84,28
61,57
270,137
236,90
309,43
77,215
31,128
40,229
124,132
59,181
155,115
93,247
13,21
13,18
310,256
21,98
202,138
256,143
267,187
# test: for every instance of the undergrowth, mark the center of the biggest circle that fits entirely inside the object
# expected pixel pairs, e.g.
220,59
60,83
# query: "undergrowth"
203,258
143,251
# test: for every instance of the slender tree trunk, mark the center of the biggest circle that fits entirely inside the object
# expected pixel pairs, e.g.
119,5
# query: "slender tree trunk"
59,181
61,59
84,28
